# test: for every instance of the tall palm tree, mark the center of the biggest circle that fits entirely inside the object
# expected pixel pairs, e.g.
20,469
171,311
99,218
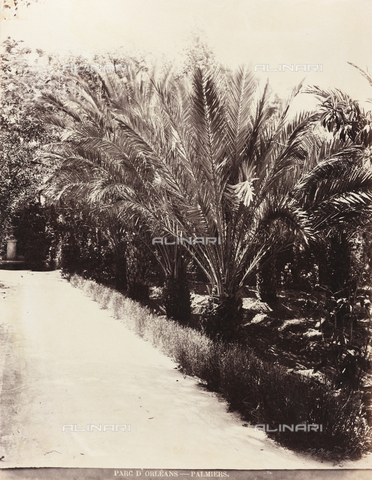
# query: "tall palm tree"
207,158
97,165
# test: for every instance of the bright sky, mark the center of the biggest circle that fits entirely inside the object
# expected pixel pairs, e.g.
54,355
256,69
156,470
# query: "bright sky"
266,32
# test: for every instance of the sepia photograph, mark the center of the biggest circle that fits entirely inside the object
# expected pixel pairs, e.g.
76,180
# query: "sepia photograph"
185,239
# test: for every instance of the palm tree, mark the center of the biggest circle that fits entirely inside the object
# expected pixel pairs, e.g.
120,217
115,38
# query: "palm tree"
207,158
350,125
97,167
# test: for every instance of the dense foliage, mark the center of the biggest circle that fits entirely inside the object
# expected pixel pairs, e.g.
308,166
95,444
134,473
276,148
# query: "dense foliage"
97,164
208,156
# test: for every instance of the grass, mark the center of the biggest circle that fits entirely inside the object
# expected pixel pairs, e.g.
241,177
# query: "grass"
262,392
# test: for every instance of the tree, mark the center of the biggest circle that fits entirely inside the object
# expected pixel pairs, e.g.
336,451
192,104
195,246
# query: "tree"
102,186
343,255
350,125
343,116
207,158
37,234
22,130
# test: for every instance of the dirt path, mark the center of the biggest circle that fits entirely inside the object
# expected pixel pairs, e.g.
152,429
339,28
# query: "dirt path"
66,362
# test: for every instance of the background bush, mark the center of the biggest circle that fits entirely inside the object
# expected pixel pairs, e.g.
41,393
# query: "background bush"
37,234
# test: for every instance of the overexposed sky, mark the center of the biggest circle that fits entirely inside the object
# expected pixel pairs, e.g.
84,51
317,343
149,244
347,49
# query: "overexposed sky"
270,32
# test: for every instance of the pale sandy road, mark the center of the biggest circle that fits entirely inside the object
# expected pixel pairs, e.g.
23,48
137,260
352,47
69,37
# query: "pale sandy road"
68,362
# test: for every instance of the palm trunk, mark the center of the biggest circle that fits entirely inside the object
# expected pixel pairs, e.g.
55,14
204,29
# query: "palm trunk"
137,264
223,317
267,281
120,267
177,294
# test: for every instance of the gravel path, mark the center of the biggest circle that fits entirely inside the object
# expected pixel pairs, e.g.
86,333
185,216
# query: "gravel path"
67,364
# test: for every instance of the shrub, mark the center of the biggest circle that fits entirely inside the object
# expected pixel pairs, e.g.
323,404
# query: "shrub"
37,235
